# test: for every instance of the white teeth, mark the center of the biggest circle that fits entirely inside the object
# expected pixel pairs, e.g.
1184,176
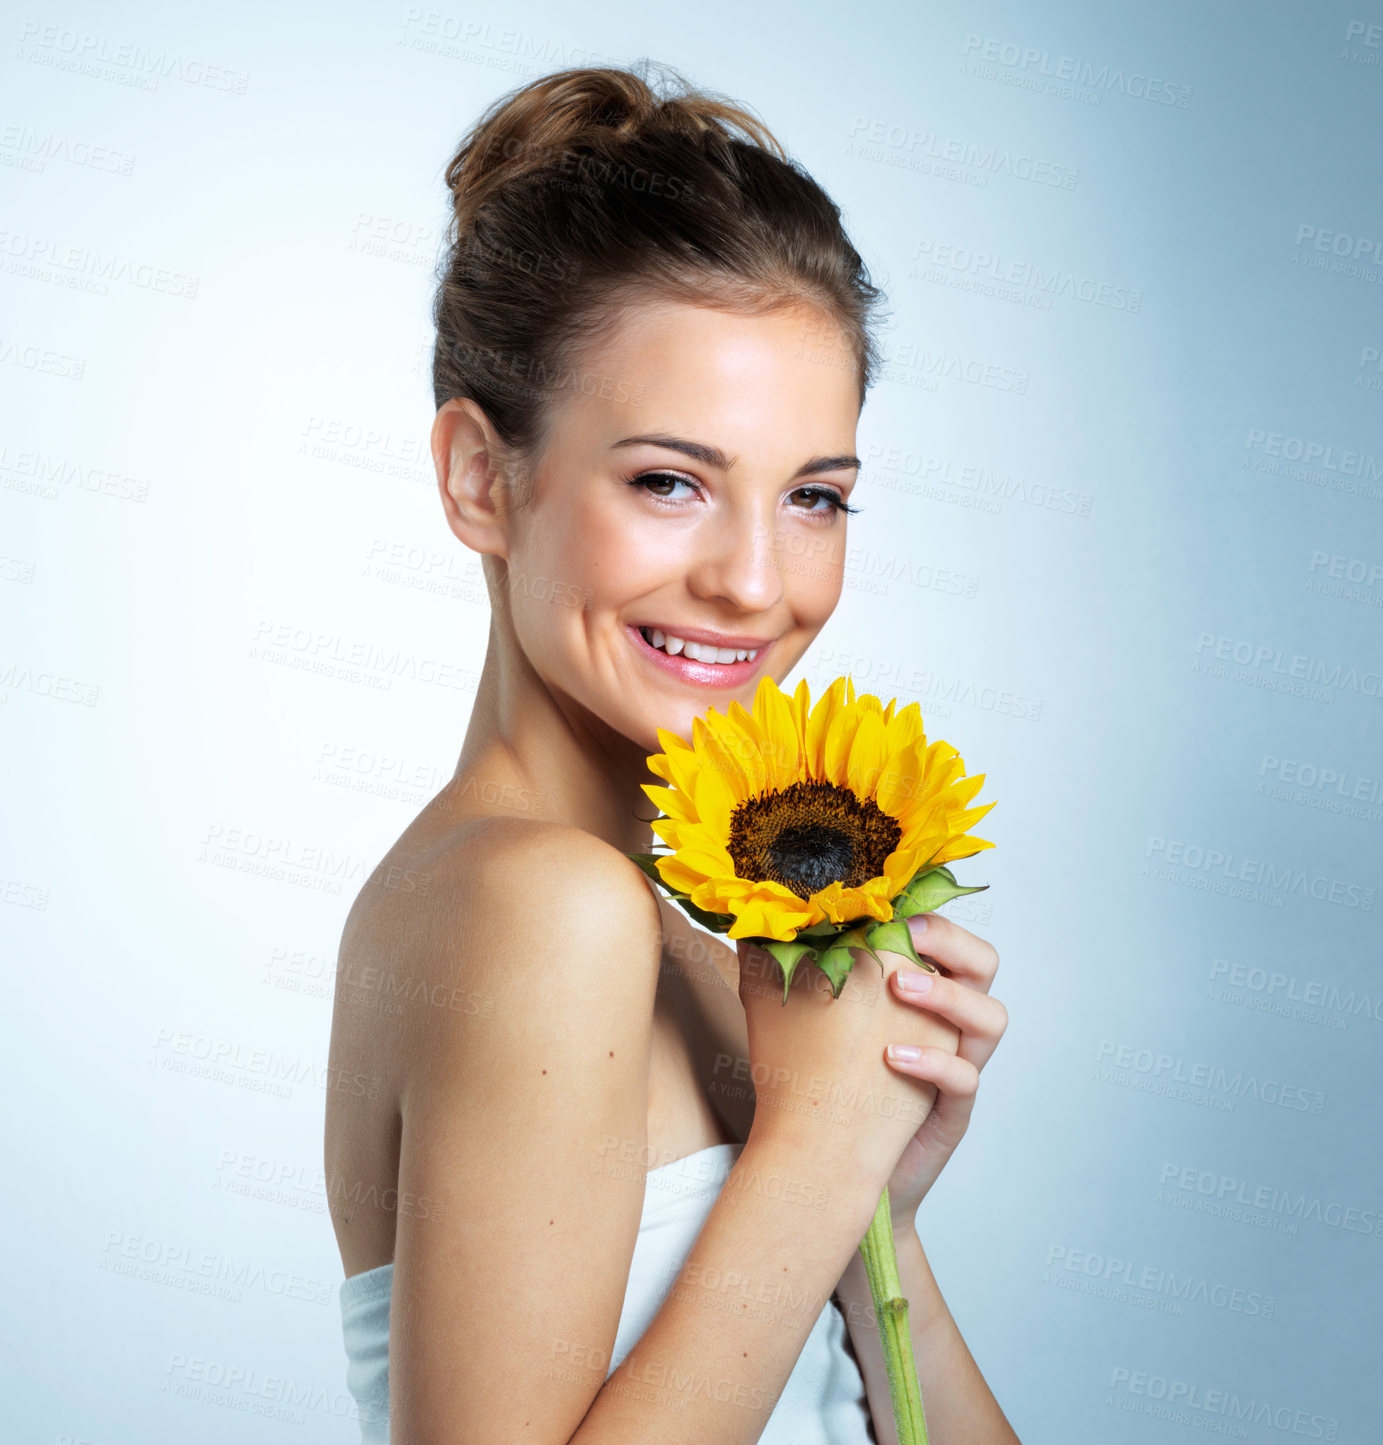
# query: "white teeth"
697,651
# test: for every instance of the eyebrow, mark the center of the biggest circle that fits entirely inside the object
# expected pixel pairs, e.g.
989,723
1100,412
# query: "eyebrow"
714,457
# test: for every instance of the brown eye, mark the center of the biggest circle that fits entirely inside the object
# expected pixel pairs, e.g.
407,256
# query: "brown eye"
833,500
655,483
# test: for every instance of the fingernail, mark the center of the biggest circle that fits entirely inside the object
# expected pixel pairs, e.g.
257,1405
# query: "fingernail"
918,923
904,1051
918,982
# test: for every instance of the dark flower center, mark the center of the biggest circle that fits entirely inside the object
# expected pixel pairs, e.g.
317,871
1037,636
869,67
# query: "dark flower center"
809,836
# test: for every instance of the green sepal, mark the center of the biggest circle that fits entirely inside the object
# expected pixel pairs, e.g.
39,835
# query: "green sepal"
896,936
712,922
789,954
929,889
836,961
649,863
824,929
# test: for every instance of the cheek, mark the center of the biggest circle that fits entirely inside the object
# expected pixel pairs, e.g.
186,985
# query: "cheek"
572,568
814,575
551,584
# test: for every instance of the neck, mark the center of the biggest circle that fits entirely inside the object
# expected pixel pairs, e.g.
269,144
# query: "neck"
533,752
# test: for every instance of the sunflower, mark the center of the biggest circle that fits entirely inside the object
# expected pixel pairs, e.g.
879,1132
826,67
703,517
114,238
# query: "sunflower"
819,821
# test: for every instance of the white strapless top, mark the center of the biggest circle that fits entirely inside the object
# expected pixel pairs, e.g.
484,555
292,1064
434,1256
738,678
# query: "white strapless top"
822,1403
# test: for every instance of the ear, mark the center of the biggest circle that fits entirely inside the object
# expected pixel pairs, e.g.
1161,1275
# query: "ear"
472,475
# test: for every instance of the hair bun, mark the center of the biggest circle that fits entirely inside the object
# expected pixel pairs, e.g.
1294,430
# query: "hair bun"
593,109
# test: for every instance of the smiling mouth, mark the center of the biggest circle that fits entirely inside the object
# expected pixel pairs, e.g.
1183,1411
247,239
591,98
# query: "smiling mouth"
675,646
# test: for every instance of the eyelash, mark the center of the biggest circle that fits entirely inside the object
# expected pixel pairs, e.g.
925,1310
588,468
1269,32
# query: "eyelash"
838,503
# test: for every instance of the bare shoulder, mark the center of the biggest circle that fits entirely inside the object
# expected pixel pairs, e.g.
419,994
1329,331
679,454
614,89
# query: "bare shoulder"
487,868
517,1118
492,908
510,883
522,951
515,856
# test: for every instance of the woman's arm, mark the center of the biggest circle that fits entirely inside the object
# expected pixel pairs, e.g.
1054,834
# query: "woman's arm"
958,1405
718,1354
520,1120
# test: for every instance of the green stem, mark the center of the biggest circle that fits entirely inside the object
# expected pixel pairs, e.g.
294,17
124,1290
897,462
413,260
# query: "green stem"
891,1311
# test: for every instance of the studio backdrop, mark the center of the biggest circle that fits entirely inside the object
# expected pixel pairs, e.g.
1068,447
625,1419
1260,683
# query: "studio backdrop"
1121,537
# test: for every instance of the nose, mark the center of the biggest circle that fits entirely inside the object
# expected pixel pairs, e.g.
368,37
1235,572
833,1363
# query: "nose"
739,562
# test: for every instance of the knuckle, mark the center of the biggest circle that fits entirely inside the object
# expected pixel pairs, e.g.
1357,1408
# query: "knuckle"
947,925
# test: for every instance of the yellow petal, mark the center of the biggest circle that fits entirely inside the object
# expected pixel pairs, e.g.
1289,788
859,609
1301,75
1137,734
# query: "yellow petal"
836,752
671,801
741,750
962,848
819,724
900,782
679,762
899,867
842,904
801,711
867,755
757,917
716,799
773,713
686,870
905,727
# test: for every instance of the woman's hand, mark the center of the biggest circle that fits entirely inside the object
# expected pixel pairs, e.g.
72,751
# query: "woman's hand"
960,995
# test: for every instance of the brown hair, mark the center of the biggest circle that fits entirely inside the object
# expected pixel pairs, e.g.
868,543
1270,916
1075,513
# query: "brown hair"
584,190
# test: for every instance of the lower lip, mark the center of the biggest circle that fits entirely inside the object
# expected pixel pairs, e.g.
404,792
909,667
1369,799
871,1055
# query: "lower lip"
700,674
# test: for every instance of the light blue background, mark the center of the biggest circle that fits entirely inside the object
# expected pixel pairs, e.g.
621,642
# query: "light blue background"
1086,523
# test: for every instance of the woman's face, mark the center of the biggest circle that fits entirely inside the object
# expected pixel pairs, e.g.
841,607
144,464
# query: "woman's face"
686,509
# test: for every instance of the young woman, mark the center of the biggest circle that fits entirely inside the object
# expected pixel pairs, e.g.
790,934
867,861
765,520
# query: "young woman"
564,1212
